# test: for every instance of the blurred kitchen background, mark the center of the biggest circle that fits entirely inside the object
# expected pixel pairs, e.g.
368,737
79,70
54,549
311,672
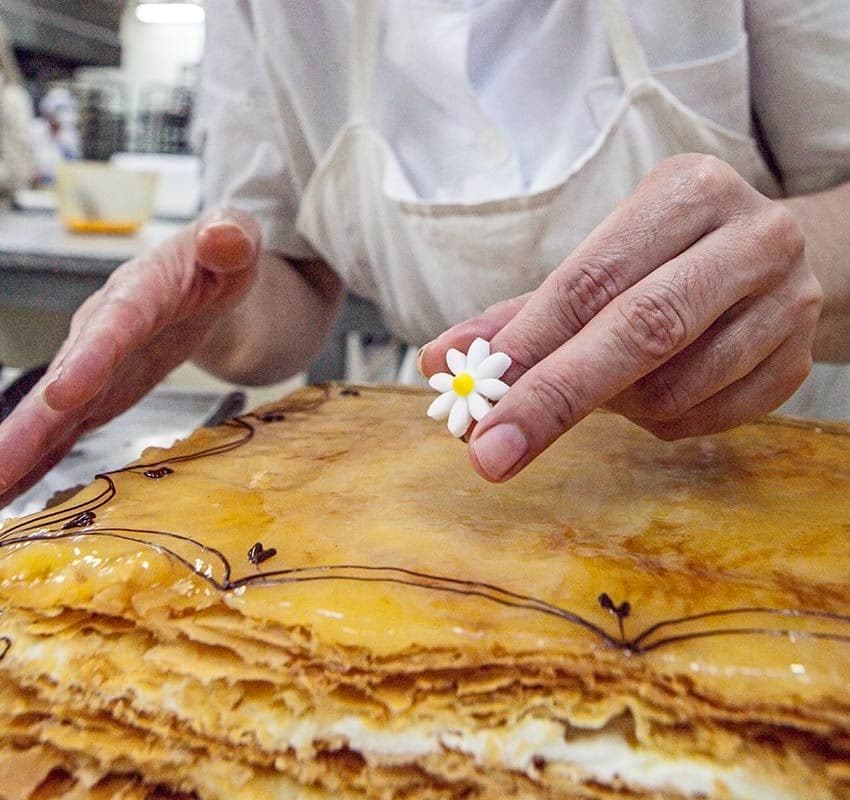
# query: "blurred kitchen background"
110,92
112,82
104,85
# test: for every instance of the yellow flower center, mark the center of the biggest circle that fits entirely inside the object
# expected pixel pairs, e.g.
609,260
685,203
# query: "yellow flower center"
463,384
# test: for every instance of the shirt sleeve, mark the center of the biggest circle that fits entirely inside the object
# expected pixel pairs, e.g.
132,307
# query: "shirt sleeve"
800,74
246,160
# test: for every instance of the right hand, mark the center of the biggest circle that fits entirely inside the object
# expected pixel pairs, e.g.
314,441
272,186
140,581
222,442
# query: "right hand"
151,315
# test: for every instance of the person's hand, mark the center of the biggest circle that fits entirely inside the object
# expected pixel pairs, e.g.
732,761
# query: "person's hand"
150,316
690,309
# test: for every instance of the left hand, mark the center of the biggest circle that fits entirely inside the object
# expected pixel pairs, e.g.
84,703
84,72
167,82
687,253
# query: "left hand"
152,313
691,309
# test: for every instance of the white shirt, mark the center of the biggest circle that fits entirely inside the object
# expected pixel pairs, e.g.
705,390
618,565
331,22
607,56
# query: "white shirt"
483,99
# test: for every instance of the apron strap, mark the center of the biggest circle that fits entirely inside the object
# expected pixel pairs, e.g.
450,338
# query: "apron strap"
365,56
625,46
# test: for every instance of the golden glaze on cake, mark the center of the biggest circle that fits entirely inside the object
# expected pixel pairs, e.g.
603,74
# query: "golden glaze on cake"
324,593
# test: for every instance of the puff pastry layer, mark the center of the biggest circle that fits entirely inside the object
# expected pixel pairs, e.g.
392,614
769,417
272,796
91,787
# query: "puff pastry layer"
321,599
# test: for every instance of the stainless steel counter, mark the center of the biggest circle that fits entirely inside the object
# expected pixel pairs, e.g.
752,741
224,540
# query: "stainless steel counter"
43,266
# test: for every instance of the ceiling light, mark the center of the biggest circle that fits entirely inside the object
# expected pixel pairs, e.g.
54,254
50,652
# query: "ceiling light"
169,13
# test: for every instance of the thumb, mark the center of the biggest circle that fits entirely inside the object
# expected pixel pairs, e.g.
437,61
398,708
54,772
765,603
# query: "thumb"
227,241
432,357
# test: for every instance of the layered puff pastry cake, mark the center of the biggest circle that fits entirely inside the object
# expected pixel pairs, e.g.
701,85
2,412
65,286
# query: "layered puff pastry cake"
322,600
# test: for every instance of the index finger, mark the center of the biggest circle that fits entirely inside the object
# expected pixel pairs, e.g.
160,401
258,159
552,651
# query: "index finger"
30,434
682,200
629,338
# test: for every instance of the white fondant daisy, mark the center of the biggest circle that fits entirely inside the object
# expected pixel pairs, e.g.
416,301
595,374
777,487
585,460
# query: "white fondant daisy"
468,393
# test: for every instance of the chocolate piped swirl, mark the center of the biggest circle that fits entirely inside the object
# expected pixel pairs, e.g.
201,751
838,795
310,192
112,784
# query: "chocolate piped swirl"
81,521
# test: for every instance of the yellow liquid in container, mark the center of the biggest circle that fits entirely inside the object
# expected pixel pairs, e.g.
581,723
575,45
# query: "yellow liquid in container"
98,226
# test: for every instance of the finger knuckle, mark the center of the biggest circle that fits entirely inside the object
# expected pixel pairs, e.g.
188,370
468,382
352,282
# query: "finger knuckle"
559,398
801,303
809,304
787,231
811,298
780,233
679,165
133,317
709,176
700,177
654,326
521,348
581,292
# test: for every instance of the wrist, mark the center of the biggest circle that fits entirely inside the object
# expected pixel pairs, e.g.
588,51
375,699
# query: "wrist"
278,327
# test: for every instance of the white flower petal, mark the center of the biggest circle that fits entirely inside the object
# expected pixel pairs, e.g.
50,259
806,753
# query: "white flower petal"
441,382
441,407
478,351
494,366
492,388
478,406
459,418
457,362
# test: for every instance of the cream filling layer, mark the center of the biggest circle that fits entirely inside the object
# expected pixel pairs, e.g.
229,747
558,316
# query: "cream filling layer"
604,757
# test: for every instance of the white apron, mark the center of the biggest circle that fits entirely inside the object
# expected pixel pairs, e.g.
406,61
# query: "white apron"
430,265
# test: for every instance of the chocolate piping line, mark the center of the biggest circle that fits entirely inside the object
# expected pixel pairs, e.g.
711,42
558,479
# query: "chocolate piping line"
52,518
67,514
395,575
495,594
779,612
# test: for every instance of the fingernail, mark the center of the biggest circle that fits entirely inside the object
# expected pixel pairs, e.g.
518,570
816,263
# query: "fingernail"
498,450
229,244
57,374
419,358
224,223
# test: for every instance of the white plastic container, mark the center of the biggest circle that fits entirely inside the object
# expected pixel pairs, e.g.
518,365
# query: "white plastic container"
178,194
